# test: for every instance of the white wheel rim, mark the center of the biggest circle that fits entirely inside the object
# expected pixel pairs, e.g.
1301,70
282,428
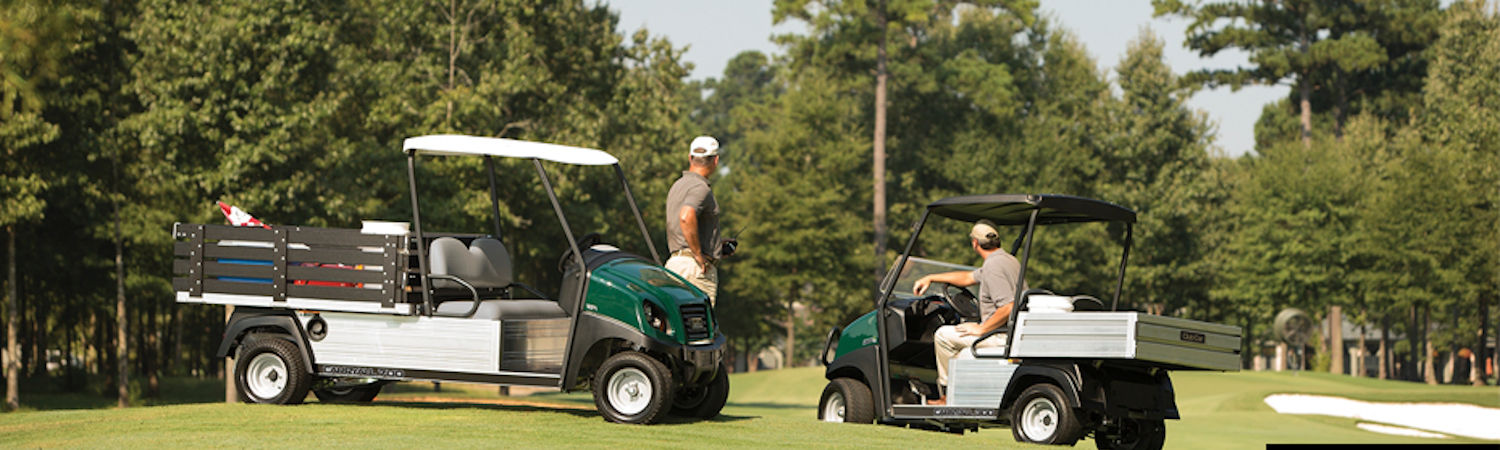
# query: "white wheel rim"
629,391
1039,419
266,376
833,410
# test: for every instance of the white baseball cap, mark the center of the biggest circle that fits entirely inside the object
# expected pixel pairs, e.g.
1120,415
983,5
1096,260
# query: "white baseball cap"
984,232
704,146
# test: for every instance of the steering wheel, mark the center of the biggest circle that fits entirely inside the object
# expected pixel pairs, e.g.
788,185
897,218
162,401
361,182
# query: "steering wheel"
588,240
962,300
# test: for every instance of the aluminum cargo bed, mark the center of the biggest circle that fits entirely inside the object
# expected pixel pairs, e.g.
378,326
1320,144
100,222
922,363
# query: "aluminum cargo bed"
1172,343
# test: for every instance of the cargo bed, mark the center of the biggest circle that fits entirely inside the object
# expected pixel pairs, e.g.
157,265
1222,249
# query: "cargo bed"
1173,343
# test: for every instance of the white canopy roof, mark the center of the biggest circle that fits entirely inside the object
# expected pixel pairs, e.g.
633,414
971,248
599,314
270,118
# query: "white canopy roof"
457,144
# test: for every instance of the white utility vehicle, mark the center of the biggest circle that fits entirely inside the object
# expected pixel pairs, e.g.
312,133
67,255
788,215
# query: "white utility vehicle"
342,312
1074,367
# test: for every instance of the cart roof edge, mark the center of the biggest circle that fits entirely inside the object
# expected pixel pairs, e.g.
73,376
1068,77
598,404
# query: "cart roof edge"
1015,209
457,144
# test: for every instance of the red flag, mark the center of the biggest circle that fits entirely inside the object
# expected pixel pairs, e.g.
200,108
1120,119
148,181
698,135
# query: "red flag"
239,217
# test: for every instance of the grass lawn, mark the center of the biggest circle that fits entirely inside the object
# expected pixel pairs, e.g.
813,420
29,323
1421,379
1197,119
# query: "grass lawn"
766,409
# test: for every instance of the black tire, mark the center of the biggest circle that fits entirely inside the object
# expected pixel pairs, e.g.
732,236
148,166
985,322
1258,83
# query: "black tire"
857,406
1041,415
1133,434
349,394
271,370
703,402
618,386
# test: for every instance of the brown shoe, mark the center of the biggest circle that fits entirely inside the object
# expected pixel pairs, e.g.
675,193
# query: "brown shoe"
937,402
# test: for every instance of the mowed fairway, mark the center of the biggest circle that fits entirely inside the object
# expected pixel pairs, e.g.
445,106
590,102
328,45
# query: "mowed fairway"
767,409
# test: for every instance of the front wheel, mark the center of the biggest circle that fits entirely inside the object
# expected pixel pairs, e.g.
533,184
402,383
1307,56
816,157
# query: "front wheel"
632,388
1133,434
846,400
270,370
704,402
1041,415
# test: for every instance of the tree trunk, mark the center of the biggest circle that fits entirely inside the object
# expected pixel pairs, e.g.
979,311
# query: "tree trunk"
881,74
791,332
153,360
1336,339
1363,330
12,342
1414,339
122,348
1429,372
1385,345
1304,83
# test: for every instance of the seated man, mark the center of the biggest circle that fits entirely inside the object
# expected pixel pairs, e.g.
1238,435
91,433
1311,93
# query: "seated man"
997,278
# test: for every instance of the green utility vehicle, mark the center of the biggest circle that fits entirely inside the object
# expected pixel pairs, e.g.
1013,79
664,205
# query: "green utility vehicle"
341,312
1073,367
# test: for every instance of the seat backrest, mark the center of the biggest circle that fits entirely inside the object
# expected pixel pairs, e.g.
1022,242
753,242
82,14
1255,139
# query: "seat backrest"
484,264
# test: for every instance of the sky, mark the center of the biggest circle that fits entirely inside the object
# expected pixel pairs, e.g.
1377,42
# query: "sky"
714,31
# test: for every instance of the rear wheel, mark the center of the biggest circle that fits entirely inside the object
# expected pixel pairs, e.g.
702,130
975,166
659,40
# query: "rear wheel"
1133,434
270,370
1041,415
846,400
632,388
704,402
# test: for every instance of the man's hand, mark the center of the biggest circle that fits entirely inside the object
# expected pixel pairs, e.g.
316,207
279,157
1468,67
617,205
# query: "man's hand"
703,262
920,286
968,329
727,247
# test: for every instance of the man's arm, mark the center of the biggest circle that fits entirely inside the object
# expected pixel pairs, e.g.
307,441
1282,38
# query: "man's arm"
963,278
687,217
992,323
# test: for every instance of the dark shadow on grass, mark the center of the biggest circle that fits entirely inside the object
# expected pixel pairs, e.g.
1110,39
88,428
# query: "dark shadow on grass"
771,406
475,405
576,412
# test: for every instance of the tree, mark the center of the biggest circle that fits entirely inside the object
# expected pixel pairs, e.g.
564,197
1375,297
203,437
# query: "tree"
851,26
29,57
1459,113
1159,153
1310,42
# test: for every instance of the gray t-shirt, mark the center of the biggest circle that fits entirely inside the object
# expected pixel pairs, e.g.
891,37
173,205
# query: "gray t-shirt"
692,190
997,279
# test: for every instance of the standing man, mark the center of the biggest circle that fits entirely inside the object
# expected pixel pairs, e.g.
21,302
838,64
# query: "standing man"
693,220
997,278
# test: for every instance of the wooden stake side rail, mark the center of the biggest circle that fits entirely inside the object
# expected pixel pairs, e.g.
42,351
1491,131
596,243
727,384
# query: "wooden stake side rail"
290,262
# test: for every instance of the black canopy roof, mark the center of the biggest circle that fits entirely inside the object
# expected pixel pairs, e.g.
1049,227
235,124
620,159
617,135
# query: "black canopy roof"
1015,209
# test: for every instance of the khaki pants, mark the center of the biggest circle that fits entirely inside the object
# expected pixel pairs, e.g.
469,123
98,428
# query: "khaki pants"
706,281
948,344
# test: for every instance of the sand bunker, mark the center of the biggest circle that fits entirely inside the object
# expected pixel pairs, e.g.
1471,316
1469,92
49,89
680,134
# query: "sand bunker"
1446,418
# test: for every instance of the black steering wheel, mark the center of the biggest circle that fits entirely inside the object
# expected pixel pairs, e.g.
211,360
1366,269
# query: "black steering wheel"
588,240
962,300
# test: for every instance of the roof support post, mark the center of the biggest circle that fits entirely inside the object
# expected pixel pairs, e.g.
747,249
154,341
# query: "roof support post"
1017,302
416,223
1120,284
882,379
489,168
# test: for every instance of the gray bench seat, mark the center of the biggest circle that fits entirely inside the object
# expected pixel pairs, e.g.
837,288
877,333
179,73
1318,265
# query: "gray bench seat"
505,309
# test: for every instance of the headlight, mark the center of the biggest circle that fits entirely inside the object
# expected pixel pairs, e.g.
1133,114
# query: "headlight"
656,318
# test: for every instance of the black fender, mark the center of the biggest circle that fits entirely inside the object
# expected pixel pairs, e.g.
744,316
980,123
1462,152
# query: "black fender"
596,332
1124,391
859,364
245,319
1064,375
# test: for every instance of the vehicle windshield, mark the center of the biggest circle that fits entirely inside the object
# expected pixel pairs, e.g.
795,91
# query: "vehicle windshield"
917,268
